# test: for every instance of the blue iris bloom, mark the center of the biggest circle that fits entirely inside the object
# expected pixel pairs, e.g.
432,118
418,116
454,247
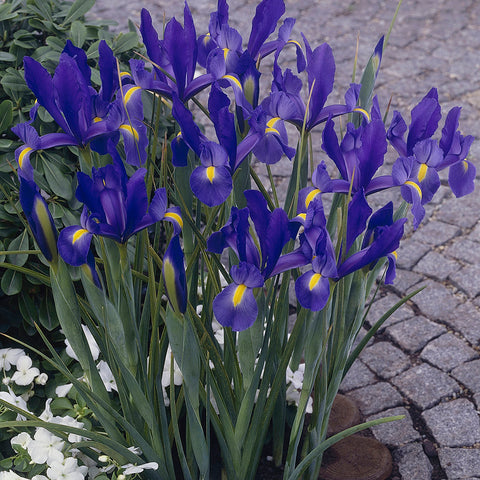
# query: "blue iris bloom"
115,207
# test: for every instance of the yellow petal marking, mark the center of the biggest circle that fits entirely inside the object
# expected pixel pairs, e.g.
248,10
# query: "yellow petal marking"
176,217
295,42
234,80
206,38
78,235
465,165
395,254
238,295
225,53
211,173
415,186
97,119
43,217
130,130
22,155
129,94
314,280
363,112
124,74
422,173
311,196
271,125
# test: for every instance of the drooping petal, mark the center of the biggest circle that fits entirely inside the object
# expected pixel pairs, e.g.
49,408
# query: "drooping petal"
173,272
39,218
211,185
235,306
74,245
312,290
461,177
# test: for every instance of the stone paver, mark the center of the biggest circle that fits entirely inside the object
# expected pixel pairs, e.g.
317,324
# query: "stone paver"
434,43
469,375
358,376
425,385
412,462
454,424
385,359
447,352
460,463
435,265
394,433
413,334
375,398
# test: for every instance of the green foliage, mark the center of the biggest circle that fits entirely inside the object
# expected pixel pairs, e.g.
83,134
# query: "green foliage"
40,29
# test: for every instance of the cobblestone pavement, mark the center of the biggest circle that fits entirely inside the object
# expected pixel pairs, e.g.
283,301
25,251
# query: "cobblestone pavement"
425,362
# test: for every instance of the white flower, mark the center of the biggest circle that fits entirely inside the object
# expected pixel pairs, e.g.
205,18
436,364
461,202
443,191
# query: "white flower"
107,376
62,390
91,343
42,379
25,373
9,357
45,447
6,380
177,374
47,416
19,402
135,450
11,476
130,469
39,477
22,439
67,469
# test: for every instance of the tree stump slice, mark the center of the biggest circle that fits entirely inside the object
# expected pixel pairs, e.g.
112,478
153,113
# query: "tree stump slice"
357,458
344,414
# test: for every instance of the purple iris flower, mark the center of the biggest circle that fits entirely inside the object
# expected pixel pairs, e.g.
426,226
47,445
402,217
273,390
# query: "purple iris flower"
285,96
176,54
455,147
358,157
85,116
115,207
222,36
424,122
381,239
235,306
211,181
39,218
421,158
313,287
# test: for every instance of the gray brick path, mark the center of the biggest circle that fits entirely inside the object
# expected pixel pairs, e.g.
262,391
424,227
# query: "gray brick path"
425,362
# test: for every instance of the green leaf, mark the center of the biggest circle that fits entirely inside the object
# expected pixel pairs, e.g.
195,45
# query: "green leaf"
55,43
60,183
92,51
11,282
47,315
7,57
78,33
125,42
28,309
13,82
77,10
6,115
19,243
